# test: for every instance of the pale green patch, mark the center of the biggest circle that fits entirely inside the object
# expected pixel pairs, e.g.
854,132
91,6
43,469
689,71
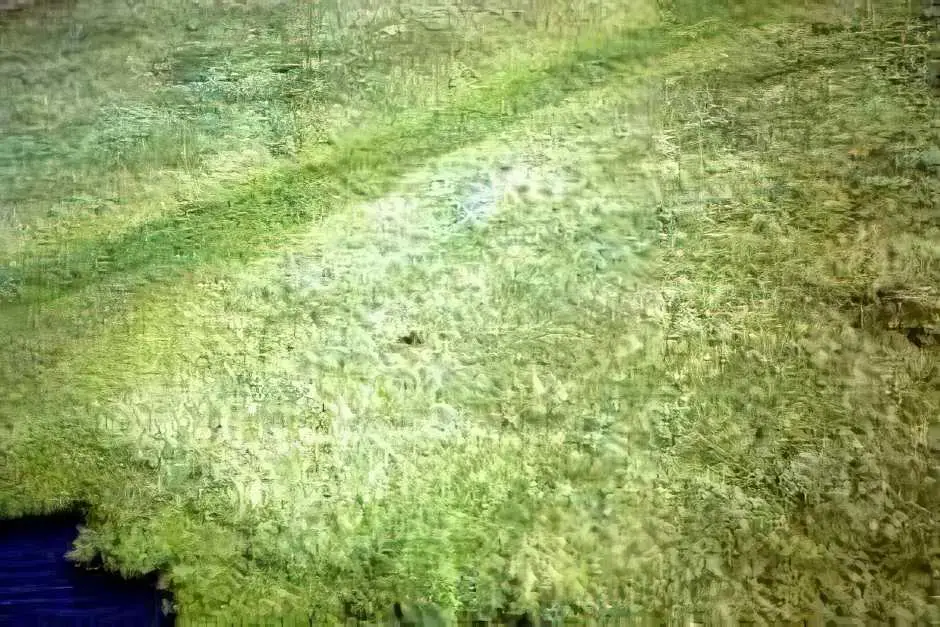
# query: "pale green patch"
312,406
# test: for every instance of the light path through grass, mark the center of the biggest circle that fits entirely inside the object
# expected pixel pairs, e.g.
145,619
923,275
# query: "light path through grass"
168,101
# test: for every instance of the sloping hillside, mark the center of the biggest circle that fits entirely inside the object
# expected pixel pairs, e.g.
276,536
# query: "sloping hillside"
475,310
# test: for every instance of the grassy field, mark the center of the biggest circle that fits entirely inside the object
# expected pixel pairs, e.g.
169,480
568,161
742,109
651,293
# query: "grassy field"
420,313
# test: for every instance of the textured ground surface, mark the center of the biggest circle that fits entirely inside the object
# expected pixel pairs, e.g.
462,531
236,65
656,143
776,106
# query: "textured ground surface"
568,309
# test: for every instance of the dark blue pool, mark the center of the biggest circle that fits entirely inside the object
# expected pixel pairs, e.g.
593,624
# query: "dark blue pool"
38,586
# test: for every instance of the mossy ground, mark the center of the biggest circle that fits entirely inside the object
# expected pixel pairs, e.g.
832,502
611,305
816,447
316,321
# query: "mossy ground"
578,310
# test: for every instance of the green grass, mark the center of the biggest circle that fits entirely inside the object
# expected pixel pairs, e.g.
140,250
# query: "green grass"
572,324
259,214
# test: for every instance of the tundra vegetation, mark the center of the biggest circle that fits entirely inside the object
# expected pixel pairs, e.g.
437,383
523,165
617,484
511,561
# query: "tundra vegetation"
473,309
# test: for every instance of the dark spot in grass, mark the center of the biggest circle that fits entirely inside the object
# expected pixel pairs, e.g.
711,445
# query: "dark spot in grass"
412,339
287,67
822,28
922,337
862,298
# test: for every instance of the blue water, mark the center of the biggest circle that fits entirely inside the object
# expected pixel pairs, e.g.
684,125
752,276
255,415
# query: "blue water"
38,586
